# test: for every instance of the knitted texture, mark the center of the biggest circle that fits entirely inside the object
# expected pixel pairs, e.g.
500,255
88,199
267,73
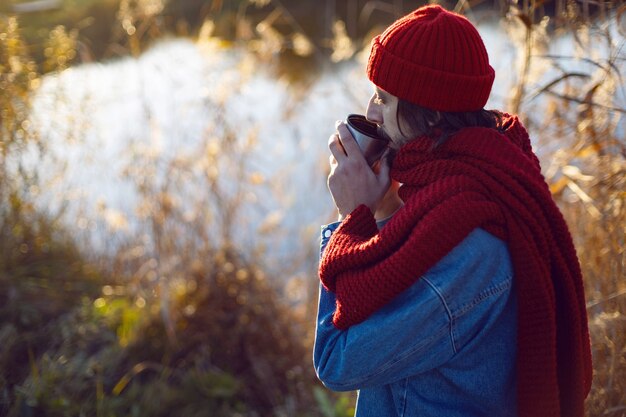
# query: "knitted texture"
433,58
477,178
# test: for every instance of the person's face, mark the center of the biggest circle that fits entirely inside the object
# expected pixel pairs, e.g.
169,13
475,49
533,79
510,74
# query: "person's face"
382,109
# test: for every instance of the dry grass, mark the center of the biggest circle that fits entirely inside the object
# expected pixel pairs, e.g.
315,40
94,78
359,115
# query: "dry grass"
186,317
577,116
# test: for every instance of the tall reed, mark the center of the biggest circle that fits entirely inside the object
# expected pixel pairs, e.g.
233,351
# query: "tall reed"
575,104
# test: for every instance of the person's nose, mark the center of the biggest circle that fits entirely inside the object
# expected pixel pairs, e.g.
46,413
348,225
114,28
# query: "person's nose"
374,111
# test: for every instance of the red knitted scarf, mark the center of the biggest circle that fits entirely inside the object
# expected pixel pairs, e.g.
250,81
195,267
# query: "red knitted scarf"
477,178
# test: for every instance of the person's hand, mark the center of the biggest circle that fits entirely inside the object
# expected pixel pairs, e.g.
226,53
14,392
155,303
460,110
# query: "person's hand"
351,181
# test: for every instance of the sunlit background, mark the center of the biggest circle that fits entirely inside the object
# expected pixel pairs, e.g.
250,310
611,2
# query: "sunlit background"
162,187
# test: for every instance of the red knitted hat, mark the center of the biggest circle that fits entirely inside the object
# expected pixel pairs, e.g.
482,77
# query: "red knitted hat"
433,58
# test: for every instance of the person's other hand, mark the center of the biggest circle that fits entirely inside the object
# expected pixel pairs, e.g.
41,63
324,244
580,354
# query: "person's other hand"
351,181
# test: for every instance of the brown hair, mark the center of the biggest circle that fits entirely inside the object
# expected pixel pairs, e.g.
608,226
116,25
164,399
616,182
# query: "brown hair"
439,126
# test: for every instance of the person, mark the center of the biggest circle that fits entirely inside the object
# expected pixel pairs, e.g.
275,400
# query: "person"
450,285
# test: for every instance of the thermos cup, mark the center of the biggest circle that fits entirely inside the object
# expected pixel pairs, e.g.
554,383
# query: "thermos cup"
366,135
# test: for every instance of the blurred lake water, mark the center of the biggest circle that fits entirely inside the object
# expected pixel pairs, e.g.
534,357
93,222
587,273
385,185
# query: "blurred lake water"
173,103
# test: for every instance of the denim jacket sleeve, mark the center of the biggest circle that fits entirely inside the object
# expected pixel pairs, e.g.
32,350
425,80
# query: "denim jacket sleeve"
423,327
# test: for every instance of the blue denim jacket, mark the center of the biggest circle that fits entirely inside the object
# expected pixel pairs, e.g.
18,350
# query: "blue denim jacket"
444,347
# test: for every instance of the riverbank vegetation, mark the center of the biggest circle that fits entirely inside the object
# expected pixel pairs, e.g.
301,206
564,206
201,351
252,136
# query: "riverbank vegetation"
178,321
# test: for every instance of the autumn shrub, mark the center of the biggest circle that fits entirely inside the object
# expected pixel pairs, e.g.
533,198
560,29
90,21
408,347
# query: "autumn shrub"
177,320
42,271
232,350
